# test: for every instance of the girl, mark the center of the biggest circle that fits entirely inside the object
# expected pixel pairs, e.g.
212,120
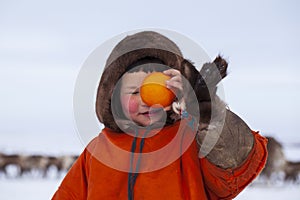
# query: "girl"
153,153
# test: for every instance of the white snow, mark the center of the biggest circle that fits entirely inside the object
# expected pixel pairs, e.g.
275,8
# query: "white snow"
38,189
270,192
27,188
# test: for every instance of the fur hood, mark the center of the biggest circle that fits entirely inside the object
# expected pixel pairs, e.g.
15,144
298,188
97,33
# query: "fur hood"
128,51
151,44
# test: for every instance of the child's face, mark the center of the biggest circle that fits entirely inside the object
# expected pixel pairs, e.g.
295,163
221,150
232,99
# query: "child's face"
133,106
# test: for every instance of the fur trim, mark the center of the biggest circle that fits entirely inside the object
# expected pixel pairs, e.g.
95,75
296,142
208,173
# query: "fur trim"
128,51
151,44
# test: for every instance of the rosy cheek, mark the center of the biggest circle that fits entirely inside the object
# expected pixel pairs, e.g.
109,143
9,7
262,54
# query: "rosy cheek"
133,105
130,104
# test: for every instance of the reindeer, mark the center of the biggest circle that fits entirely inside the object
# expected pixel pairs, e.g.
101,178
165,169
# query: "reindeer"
33,164
2,168
292,171
61,163
53,161
10,160
67,161
277,163
276,159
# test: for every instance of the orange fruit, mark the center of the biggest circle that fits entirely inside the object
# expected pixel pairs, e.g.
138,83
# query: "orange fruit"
154,92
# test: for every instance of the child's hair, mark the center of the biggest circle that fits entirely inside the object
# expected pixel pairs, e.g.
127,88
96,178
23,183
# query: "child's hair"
147,65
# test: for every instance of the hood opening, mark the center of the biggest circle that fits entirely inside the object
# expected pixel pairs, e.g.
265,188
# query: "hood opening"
133,50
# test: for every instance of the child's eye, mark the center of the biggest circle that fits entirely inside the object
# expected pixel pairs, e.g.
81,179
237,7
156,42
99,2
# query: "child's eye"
135,92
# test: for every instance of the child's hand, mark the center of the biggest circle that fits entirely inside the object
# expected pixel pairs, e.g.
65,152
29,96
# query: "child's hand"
176,85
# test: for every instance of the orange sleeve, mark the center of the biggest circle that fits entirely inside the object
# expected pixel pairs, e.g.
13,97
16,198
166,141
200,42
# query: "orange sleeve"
228,183
74,185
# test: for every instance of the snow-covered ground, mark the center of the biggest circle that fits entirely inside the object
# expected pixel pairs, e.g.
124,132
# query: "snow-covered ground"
39,189
33,189
270,192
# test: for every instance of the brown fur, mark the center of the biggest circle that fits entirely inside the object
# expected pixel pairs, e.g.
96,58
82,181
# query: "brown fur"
292,171
224,138
2,163
276,159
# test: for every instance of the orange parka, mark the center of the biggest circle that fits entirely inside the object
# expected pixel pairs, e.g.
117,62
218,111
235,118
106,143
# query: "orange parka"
188,177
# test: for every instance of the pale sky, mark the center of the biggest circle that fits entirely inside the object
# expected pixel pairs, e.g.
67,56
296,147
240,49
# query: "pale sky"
43,45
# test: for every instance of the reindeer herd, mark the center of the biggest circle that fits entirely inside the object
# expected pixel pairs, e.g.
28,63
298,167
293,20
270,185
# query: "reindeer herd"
277,166
19,165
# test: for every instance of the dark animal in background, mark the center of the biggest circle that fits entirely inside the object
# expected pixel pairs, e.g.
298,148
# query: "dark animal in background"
277,163
34,165
7,160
